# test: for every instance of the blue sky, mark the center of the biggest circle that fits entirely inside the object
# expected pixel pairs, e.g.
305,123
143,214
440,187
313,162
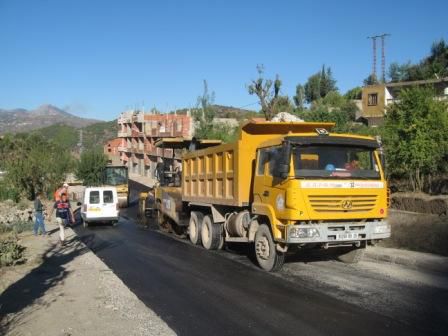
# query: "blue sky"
96,58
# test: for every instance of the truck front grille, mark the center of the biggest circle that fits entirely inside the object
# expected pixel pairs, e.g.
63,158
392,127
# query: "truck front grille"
342,203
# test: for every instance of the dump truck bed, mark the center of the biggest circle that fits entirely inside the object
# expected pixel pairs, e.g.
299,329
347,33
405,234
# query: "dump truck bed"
222,174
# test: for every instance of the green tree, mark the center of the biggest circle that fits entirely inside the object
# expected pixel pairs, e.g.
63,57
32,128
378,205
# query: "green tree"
267,91
90,168
204,113
34,164
327,82
312,88
333,108
371,80
299,98
355,93
416,136
283,104
319,85
435,65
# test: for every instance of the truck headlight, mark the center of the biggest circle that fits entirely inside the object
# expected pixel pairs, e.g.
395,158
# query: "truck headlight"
297,232
382,228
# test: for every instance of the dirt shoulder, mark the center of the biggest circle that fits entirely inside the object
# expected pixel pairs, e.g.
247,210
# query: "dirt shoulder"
67,290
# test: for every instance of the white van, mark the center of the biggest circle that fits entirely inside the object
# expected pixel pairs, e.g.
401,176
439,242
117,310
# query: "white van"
100,205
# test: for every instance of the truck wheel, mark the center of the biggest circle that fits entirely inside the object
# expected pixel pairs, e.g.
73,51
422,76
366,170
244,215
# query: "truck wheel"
351,255
85,224
211,233
194,227
267,255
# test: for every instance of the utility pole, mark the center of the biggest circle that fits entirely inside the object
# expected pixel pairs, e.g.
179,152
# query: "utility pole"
383,56
80,144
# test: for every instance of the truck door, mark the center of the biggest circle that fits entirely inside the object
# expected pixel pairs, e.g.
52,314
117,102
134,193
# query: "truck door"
264,182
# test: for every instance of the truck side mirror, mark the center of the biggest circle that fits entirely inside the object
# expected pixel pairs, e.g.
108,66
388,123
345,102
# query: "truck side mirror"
283,161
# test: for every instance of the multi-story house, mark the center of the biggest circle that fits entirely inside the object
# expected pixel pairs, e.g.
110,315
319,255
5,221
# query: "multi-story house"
376,98
139,131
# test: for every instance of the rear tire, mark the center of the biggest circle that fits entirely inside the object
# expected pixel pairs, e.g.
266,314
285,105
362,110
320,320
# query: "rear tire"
195,226
351,255
85,224
267,255
211,234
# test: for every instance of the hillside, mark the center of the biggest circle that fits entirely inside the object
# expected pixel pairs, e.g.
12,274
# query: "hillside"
21,120
68,136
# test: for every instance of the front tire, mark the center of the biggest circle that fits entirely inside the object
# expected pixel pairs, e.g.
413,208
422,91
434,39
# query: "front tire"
211,234
267,255
195,226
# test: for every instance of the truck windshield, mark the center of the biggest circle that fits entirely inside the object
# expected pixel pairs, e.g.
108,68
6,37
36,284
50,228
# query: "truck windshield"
115,176
334,162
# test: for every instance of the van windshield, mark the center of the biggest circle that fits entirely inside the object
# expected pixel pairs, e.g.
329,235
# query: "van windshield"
335,162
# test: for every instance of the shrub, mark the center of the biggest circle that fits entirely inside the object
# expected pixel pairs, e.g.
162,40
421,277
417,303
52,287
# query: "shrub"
11,252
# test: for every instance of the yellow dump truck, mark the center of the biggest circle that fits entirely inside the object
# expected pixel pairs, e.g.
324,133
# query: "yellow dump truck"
283,187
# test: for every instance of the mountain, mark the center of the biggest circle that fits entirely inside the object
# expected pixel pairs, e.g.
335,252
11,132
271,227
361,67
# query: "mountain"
21,120
68,136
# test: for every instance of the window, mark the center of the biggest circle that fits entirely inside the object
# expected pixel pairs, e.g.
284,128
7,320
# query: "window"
372,99
94,197
267,155
108,196
263,157
325,161
274,155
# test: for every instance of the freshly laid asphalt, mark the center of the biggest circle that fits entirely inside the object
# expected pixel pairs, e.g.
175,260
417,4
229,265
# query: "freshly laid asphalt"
200,292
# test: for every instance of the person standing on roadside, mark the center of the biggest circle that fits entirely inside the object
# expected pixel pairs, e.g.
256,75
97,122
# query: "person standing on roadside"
39,214
63,215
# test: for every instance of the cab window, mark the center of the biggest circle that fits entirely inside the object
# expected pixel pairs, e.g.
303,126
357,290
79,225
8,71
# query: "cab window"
263,157
269,156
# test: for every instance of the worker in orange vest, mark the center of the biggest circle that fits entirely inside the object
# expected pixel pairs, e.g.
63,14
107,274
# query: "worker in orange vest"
62,190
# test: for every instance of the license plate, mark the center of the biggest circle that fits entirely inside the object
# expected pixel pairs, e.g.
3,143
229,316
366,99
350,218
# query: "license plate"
94,209
346,236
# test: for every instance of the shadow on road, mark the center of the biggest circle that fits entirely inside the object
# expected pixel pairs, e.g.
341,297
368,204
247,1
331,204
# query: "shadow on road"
33,286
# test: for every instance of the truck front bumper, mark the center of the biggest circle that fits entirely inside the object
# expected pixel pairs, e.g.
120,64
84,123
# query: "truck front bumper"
337,232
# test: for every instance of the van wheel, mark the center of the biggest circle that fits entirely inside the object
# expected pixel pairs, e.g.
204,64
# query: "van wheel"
267,255
351,255
194,227
85,224
211,233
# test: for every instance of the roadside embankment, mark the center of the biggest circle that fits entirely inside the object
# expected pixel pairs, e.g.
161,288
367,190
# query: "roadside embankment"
68,290
418,232
420,202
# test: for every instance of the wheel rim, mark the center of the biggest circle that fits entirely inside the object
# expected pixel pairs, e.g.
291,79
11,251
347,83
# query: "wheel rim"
206,233
193,230
262,248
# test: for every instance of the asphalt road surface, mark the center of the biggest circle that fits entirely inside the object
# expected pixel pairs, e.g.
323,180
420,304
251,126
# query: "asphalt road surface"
223,293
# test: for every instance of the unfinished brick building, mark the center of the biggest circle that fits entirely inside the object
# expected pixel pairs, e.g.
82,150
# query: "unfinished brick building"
139,131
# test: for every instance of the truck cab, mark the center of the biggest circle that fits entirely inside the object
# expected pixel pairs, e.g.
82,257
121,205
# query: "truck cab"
322,190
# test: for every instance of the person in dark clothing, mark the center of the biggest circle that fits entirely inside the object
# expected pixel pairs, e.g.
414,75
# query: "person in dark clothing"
39,214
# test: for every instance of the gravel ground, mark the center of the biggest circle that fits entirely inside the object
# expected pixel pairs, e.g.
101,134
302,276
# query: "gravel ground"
67,290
